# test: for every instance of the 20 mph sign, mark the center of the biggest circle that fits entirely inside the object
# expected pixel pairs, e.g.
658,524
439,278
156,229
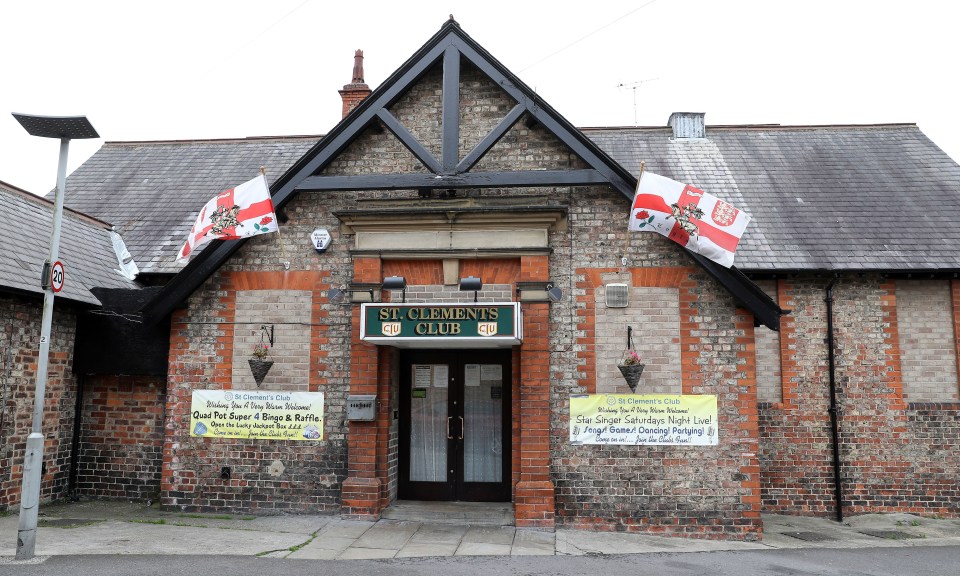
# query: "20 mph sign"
56,276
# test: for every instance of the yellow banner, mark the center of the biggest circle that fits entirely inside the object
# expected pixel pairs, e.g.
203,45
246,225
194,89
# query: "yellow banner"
257,414
634,420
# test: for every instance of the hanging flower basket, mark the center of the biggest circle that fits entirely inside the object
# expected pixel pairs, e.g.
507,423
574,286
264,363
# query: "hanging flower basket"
631,367
259,368
259,365
631,373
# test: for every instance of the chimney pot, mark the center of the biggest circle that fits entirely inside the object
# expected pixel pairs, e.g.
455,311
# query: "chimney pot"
354,92
688,125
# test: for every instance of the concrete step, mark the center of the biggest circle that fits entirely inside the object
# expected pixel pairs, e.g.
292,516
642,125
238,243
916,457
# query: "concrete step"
458,513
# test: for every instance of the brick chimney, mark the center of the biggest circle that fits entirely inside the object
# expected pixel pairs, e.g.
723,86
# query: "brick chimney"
354,92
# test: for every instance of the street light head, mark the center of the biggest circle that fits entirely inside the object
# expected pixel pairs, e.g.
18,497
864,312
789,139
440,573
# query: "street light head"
69,127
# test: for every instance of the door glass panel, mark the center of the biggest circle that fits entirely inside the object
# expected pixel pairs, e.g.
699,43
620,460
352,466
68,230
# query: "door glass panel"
428,423
483,423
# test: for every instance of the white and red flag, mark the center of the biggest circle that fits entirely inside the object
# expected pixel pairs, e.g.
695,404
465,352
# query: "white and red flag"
690,217
240,212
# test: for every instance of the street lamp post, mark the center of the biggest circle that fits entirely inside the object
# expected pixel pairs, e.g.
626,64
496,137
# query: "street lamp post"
65,128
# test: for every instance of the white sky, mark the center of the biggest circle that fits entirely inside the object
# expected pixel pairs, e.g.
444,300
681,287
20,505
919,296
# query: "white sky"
210,69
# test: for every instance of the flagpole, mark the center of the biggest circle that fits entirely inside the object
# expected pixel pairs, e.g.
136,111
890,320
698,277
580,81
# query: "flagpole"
283,251
626,248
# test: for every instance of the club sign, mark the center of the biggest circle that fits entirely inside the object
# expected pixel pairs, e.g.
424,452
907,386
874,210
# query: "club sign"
410,325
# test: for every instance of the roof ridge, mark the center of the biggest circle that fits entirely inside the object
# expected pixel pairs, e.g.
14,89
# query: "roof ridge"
214,140
762,126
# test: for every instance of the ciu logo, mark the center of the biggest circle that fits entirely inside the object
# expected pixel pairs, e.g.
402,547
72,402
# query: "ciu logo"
391,328
487,328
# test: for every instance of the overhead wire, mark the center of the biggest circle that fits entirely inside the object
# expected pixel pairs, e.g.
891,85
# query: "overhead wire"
582,38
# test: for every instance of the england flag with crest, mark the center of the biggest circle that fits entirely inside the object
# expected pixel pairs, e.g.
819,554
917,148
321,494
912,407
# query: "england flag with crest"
240,212
690,217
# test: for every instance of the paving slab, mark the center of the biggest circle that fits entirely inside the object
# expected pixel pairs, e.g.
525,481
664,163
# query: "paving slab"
502,535
346,528
440,534
483,549
421,549
366,554
533,543
117,537
387,534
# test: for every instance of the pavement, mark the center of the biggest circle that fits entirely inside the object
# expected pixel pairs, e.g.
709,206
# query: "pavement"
419,530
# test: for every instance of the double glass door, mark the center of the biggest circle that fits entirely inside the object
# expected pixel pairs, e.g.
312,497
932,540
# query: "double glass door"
455,425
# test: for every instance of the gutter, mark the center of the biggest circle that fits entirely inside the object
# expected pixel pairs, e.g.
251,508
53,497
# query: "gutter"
833,410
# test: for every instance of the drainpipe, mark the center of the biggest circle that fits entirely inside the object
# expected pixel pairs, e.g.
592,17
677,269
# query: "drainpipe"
834,420
75,441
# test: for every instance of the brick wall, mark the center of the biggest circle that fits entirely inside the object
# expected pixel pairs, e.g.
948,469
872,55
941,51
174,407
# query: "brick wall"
895,456
19,349
704,492
122,437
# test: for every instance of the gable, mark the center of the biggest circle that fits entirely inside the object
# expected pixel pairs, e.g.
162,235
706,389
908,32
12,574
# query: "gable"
444,159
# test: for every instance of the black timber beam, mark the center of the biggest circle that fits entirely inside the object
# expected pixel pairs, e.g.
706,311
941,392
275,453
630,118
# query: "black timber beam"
491,139
408,140
519,179
179,289
450,144
357,121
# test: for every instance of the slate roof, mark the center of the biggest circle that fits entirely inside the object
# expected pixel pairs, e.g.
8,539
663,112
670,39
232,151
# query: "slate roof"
822,197
855,198
152,191
86,248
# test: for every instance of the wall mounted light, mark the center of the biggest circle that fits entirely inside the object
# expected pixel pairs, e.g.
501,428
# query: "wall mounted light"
395,283
471,283
538,292
355,293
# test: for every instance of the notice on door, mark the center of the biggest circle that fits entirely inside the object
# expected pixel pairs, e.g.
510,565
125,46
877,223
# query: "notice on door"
257,414
634,420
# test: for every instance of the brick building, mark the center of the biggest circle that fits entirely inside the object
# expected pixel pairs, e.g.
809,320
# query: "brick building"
456,177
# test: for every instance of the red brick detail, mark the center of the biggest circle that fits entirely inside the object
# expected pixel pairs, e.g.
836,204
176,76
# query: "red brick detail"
360,499
490,270
367,442
535,504
534,494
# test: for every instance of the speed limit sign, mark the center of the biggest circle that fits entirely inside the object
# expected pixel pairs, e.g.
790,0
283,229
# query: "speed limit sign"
56,276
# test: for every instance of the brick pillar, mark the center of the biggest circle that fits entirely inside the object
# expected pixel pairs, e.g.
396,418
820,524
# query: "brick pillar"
361,489
535,494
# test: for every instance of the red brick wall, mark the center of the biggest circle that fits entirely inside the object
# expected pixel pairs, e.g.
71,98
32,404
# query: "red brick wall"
895,456
122,437
19,350
201,357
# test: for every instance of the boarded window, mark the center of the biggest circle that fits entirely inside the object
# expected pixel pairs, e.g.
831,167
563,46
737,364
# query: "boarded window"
767,342
654,314
928,356
289,312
